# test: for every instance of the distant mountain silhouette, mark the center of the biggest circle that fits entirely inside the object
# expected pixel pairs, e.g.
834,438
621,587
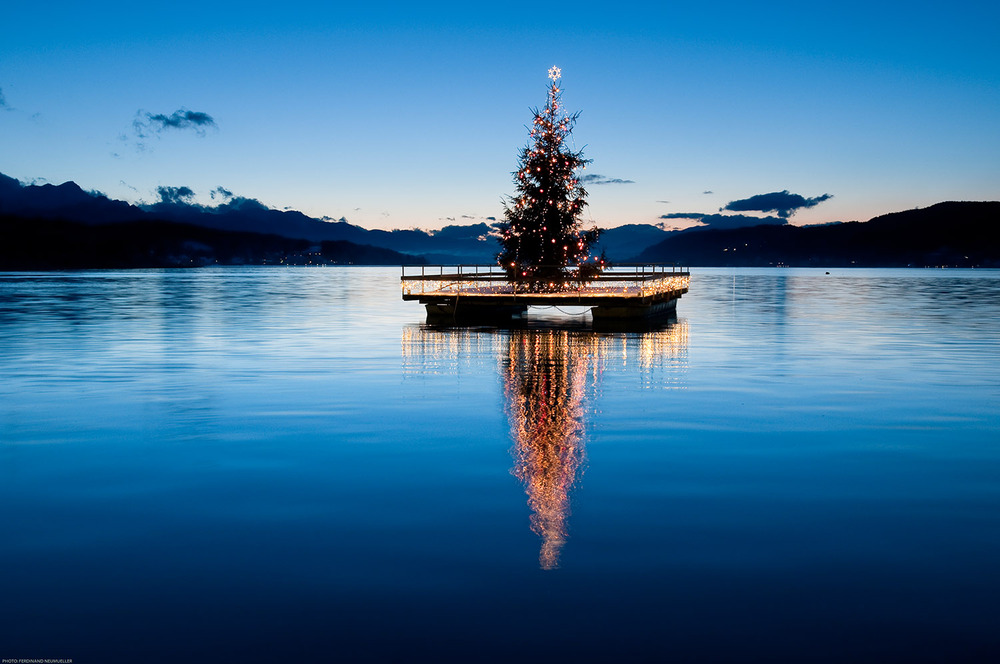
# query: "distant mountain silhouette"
624,242
55,225
65,201
958,234
68,202
47,244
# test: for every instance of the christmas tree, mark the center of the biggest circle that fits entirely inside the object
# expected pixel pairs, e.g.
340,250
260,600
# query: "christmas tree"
543,244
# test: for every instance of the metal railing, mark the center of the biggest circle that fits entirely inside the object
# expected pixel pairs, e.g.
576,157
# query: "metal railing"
641,279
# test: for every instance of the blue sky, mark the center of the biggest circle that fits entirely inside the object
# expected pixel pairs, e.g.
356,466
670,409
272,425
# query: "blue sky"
399,115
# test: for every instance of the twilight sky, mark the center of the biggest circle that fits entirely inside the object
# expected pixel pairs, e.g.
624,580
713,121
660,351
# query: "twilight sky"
411,114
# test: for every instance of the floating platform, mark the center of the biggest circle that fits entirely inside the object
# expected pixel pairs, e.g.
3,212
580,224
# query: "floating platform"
483,292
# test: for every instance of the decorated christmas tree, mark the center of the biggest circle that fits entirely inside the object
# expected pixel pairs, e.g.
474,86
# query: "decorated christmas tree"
543,244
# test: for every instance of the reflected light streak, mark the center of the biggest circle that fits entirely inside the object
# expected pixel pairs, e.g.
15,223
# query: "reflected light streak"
544,384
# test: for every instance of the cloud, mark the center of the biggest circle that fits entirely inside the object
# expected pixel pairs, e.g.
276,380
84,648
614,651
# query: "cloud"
708,191
175,195
243,203
3,101
782,202
684,215
594,178
221,192
148,124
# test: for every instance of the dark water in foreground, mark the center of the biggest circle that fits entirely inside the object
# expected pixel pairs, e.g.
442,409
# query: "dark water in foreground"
243,465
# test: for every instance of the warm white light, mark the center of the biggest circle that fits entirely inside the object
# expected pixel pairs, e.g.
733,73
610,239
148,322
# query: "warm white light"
555,73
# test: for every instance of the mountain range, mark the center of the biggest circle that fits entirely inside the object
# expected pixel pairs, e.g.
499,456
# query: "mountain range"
950,234
63,226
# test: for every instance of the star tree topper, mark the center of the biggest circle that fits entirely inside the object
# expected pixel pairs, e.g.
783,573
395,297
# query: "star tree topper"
555,73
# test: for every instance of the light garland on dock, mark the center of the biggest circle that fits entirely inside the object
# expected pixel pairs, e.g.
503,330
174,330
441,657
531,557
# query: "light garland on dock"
636,284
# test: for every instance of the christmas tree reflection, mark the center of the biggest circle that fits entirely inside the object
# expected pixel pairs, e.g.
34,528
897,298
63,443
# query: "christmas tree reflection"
550,375
545,374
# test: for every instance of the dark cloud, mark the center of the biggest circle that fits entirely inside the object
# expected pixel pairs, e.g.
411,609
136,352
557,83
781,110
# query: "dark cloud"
667,202
175,195
683,215
709,191
491,218
3,101
594,178
147,124
221,192
783,203
243,203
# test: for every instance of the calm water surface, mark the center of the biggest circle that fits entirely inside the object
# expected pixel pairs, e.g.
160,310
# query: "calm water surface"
271,464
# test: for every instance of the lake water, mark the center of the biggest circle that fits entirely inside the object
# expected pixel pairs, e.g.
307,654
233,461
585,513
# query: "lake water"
287,465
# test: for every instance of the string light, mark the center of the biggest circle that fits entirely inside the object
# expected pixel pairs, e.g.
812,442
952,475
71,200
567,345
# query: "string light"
642,281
